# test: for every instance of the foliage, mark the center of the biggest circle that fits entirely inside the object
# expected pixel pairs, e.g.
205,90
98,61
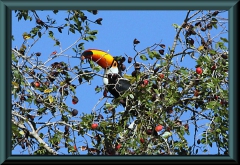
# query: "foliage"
162,93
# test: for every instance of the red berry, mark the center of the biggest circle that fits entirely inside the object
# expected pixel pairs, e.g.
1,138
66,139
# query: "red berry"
117,147
145,82
158,128
94,125
213,67
149,131
74,100
196,93
161,75
105,93
37,84
199,70
38,21
129,60
30,117
75,147
141,140
74,112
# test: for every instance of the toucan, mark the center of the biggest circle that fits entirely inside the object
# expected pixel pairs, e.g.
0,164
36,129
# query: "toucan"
112,78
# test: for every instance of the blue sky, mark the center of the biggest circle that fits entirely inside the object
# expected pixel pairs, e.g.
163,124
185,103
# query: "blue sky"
116,35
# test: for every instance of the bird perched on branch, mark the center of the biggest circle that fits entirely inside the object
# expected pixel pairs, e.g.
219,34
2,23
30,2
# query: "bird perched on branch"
112,79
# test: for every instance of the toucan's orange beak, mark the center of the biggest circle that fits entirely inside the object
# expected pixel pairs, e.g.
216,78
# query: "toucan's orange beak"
102,58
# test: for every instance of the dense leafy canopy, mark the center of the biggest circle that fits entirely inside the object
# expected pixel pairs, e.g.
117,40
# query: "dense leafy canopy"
180,101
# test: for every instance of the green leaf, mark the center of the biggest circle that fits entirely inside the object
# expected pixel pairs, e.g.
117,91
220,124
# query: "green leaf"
143,57
176,26
224,39
218,130
131,96
203,141
212,52
103,124
156,91
65,118
212,105
72,30
220,45
148,51
183,71
210,85
207,59
108,105
80,45
224,129
15,130
48,90
98,89
205,150
157,56
97,68
151,54
57,43
41,135
218,119
215,26
93,32
29,100
214,21
14,58
215,81
50,33
92,38
74,50
129,77
41,110
71,26
72,89
91,64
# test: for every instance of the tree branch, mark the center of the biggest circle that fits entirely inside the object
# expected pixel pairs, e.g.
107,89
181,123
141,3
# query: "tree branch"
33,133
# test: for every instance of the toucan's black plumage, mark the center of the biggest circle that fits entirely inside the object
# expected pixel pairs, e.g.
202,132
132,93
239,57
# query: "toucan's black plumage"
117,85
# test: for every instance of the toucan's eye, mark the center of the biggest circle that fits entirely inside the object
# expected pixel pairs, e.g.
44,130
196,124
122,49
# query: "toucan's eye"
115,64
